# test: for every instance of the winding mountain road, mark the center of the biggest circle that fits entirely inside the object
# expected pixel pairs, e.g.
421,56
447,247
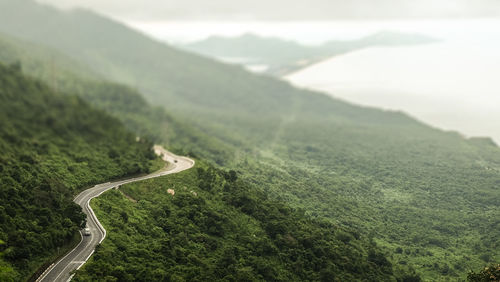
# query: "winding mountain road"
62,269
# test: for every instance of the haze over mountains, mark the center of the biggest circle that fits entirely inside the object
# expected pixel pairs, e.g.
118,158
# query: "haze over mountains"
290,184
279,57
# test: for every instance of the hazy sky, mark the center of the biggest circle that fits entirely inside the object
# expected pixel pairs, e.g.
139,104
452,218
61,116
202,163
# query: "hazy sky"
283,10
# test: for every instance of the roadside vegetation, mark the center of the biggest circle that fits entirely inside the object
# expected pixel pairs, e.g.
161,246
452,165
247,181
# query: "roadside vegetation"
216,227
52,145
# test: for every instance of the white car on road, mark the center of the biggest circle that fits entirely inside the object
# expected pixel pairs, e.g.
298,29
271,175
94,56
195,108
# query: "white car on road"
86,231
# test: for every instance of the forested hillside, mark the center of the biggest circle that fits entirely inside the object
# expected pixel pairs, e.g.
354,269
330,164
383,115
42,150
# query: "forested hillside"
427,196
52,146
357,258
121,101
219,228
346,254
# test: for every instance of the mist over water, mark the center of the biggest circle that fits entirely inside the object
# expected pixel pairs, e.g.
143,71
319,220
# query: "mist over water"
453,84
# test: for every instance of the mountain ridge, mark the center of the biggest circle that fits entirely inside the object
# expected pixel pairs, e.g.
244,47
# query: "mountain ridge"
283,56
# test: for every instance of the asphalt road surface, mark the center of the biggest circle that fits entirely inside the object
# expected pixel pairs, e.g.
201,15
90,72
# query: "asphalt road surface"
61,270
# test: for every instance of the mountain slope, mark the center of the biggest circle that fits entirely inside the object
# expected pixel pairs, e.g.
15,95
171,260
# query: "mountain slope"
343,252
52,145
343,256
165,75
125,103
218,228
429,197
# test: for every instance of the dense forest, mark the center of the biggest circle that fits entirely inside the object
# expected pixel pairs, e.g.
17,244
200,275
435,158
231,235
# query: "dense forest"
429,198
52,146
123,102
217,227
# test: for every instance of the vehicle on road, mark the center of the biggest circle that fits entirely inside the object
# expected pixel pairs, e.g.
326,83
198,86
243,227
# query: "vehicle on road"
175,161
86,231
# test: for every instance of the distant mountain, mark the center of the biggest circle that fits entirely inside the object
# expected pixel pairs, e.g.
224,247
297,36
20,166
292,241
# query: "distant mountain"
255,48
283,56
